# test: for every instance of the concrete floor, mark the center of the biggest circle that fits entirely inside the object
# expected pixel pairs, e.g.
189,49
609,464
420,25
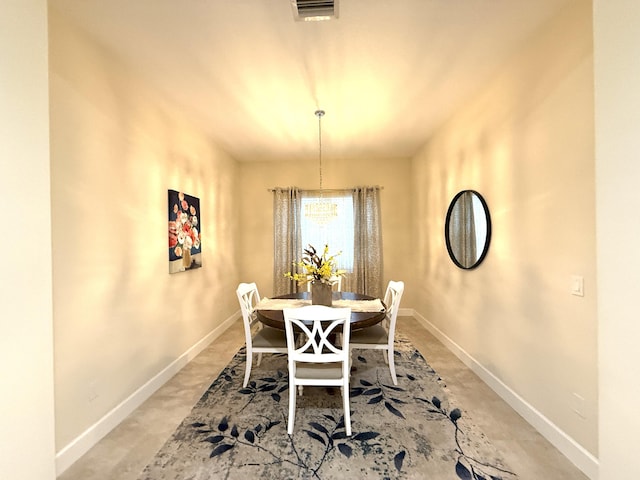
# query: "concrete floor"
124,452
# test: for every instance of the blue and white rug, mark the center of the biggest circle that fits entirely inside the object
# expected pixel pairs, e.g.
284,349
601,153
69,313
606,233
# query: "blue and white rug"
414,430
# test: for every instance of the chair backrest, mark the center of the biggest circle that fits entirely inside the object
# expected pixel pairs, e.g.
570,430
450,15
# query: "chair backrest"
392,300
248,296
316,325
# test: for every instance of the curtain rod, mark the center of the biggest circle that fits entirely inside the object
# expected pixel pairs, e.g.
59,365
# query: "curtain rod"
327,189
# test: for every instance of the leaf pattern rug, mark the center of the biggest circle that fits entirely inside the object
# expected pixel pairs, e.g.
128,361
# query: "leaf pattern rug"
414,430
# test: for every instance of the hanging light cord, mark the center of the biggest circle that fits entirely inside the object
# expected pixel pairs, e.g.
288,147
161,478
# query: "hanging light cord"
319,114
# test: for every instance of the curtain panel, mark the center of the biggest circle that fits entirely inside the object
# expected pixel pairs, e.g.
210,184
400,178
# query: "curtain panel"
367,262
287,243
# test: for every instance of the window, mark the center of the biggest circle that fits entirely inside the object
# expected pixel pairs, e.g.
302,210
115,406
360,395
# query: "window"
328,220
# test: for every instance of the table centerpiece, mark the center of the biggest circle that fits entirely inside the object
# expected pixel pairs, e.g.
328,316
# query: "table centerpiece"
320,270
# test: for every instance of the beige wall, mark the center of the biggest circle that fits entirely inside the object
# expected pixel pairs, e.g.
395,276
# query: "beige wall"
526,144
617,102
26,332
116,147
256,242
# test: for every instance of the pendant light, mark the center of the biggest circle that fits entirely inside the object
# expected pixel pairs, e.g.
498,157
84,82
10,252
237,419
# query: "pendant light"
321,211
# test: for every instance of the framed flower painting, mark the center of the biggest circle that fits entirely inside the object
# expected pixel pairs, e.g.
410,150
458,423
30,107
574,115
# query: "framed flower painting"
185,247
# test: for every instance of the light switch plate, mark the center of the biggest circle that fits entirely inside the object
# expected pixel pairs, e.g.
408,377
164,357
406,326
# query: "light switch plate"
577,285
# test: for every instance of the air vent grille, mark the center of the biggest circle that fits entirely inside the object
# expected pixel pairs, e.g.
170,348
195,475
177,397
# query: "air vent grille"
310,10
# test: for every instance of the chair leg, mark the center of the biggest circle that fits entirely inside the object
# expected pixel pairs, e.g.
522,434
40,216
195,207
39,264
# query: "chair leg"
347,410
259,359
392,366
292,408
247,369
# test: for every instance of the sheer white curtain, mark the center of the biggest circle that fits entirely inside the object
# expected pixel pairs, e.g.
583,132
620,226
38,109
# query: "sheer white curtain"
367,261
287,241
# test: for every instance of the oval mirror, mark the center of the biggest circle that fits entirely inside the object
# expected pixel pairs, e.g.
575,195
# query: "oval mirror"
467,229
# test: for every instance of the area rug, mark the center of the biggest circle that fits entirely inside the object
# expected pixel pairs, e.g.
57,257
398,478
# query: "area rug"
414,430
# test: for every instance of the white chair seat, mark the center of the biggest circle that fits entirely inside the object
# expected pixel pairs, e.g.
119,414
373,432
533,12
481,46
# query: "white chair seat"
376,334
268,337
318,371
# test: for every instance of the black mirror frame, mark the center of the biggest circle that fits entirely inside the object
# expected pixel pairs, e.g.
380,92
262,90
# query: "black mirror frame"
488,236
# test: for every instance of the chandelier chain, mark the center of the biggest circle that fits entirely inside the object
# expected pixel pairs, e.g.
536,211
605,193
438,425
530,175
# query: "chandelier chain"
319,114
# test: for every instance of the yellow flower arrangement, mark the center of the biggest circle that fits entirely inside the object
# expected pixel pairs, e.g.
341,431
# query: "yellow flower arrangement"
316,268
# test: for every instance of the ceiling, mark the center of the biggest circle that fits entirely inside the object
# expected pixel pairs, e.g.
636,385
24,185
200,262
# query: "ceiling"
387,72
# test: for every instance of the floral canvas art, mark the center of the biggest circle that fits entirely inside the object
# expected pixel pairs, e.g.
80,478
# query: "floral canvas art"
185,247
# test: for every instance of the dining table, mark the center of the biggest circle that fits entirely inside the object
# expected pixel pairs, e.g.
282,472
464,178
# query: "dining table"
365,310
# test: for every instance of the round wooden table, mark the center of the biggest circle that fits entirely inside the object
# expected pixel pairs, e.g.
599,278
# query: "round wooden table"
275,318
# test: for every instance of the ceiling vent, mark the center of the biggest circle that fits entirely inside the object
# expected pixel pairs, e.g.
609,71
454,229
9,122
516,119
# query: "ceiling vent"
314,10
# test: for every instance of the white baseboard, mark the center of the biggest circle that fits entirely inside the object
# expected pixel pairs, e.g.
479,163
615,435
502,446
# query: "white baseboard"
580,457
83,443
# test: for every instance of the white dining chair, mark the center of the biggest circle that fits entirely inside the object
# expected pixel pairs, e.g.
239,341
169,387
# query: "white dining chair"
381,336
265,339
314,360
335,281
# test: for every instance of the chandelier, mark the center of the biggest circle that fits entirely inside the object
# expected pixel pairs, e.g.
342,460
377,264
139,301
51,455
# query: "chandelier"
322,210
